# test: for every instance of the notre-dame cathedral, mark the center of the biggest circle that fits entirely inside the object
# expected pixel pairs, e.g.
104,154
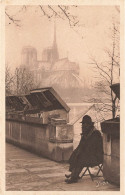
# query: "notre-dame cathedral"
62,74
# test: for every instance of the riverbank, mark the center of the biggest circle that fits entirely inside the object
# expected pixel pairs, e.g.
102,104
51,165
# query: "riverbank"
28,172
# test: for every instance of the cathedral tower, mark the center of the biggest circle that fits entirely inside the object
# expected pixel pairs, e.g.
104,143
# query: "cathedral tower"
51,54
29,57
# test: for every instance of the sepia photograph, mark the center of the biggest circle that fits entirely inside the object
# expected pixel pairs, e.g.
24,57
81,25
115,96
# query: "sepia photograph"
62,97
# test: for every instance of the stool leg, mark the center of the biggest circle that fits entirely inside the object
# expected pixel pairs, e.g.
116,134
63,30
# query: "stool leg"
100,169
84,172
90,173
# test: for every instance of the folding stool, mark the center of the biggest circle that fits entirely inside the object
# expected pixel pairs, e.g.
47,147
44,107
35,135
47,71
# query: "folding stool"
100,166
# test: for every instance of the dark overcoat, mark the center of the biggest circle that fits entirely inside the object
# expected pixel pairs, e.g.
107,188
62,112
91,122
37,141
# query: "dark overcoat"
89,151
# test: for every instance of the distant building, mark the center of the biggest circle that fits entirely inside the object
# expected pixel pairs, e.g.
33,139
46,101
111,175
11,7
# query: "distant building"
50,59
62,74
29,57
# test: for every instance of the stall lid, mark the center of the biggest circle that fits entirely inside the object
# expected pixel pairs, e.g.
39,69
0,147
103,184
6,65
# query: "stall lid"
116,89
111,126
15,102
46,99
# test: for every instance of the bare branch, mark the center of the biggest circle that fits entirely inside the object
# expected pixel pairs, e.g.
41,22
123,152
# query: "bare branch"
72,22
56,13
104,77
12,19
101,69
112,57
44,12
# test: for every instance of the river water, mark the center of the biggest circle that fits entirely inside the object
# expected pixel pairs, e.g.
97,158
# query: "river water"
78,110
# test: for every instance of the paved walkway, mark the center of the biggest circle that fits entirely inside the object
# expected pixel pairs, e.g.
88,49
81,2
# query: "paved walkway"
28,172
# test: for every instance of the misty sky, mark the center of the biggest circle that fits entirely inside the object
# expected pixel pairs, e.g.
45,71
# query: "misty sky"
37,31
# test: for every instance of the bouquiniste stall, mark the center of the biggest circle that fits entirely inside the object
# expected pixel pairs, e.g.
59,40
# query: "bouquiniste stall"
39,122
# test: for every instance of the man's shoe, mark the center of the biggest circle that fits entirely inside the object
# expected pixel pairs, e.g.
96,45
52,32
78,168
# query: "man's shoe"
66,180
67,176
69,181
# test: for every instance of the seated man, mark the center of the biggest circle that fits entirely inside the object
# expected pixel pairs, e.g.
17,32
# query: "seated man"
89,152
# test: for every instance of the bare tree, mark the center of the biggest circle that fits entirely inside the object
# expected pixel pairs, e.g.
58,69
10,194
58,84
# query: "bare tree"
9,80
23,81
107,70
19,82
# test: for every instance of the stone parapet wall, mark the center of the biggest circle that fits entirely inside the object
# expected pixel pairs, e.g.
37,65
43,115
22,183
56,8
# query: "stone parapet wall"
111,148
52,141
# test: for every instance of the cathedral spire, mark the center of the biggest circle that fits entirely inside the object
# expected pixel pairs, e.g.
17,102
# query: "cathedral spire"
54,40
55,54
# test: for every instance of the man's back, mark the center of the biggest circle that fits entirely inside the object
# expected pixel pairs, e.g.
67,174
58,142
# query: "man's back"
91,149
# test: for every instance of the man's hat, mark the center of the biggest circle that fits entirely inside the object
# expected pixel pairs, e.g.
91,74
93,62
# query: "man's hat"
87,119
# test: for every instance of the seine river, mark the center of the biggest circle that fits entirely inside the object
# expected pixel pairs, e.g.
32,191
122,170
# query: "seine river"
78,110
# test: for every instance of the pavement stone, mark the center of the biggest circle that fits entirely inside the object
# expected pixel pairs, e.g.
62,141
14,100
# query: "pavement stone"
16,171
28,172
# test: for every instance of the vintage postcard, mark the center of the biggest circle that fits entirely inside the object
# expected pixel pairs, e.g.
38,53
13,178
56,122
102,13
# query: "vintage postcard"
61,75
